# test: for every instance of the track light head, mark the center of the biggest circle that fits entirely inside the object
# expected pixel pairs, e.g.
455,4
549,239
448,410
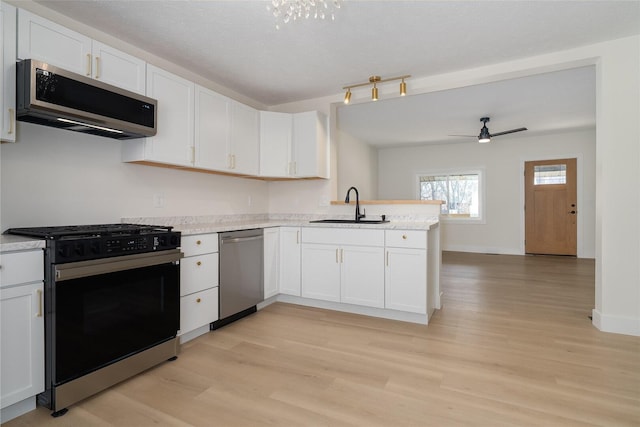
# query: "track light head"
374,93
403,88
347,96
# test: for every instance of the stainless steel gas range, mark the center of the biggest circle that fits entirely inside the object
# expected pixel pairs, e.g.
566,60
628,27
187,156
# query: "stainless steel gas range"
112,305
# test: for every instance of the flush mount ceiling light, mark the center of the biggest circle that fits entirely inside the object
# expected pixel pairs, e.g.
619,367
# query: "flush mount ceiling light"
375,81
286,11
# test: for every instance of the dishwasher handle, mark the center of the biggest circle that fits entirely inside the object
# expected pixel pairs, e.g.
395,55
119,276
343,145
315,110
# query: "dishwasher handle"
239,239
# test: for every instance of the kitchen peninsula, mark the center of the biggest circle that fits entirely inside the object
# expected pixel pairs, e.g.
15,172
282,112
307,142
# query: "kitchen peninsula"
388,270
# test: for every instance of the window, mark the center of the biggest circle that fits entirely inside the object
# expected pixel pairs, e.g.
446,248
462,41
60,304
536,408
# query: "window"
549,174
461,192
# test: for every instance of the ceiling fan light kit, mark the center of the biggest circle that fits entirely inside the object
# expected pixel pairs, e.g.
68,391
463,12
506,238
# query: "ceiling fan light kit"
375,80
485,136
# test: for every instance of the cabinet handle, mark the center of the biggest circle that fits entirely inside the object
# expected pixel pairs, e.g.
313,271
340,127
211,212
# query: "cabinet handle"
199,263
12,120
198,242
39,303
198,300
387,261
298,237
337,262
341,256
89,64
233,157
97,67
404,237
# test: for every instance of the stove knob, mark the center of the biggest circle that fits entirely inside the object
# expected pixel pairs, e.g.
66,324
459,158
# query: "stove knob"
174,240
95,248
64,251
79,249
163,240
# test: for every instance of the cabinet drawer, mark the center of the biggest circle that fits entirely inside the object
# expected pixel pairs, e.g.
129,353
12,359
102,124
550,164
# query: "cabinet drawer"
343,236
198,272
199,244
198,310
406,239
21,267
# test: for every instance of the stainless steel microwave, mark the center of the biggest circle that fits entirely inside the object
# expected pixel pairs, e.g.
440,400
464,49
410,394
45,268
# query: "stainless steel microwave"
50,96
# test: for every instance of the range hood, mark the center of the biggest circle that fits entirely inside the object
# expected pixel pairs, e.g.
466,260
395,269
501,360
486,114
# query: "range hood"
50,96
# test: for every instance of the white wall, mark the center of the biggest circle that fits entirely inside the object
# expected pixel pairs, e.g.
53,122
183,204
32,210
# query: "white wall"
58,177
358,166
502,161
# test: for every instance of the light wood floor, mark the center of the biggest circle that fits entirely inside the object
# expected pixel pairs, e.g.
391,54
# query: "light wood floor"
512,345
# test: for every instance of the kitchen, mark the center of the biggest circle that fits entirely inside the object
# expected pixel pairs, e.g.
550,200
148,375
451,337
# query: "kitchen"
105,190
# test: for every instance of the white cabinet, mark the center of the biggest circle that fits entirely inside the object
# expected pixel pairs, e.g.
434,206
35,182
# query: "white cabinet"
406,271
293,145
290,261
212,129
41,39
226,134
244,147
8,72
198,283
21,326
343,265
173,144
271,261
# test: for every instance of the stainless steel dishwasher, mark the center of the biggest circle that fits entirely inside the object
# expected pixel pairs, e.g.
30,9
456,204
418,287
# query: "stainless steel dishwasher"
241,274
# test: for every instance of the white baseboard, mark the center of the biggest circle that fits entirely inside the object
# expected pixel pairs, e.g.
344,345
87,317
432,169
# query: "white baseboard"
482,249
616,324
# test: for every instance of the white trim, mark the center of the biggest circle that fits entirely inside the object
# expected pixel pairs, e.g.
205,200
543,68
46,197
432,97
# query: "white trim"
17,409
482,249
482,193
616,324
580,238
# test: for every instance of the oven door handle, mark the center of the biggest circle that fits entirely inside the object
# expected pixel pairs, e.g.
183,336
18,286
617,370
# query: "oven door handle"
75,270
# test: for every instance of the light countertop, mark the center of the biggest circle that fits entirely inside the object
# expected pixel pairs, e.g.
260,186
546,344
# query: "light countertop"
10,242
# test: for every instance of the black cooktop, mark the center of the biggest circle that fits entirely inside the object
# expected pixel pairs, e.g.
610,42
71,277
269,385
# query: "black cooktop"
92,230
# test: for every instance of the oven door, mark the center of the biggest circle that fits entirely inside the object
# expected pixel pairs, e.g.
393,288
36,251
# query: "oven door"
106,310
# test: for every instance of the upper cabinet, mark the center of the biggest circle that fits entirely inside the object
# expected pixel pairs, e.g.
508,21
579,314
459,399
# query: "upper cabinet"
8,72
293,145
245,139
39,38
173,144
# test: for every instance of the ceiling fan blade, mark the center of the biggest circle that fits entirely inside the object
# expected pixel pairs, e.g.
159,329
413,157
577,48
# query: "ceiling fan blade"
470,136
508,131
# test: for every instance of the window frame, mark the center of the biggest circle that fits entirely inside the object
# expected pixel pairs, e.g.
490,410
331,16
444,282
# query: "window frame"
480,171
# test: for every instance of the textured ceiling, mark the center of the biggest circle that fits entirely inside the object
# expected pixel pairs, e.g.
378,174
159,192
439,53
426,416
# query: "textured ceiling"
236,44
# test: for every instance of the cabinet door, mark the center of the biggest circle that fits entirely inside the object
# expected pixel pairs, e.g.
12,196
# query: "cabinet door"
310,145
118,68
271,261
406,280
362,279
321,272
41,39
212,130
21,343
173,144
198,310
245,139
290,260
275,144
198,272
8,72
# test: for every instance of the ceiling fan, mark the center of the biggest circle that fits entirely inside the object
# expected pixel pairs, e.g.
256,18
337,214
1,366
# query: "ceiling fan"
485,136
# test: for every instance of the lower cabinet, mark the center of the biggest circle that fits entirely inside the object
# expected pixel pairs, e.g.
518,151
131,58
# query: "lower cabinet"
21,328
290,253
343,265
271,261
198,284
406,270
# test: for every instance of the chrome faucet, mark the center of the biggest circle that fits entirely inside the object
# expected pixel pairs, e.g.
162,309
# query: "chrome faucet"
346,200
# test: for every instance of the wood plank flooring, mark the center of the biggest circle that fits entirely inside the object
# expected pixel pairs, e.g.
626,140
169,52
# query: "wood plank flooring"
512,346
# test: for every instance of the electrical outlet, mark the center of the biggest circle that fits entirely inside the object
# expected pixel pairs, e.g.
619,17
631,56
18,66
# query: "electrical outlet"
158,200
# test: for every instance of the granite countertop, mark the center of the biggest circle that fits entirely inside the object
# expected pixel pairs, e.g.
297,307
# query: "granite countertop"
10,242
202,225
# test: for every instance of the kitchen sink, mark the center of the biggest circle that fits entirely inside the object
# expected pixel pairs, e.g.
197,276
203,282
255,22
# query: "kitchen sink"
351,221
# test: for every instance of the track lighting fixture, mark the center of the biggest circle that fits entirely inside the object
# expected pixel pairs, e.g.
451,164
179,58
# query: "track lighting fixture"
375,80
